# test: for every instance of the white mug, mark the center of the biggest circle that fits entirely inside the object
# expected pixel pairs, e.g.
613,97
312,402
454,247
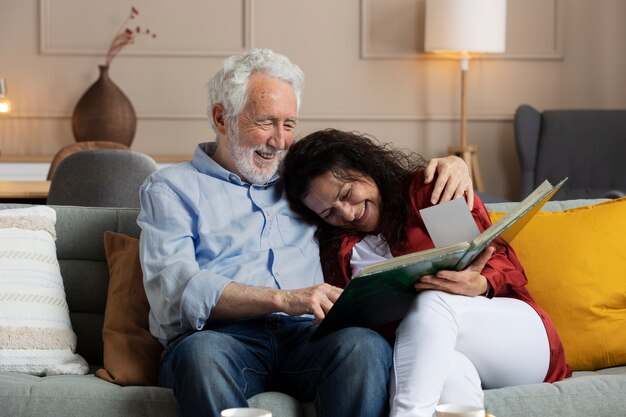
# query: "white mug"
459,410
245,412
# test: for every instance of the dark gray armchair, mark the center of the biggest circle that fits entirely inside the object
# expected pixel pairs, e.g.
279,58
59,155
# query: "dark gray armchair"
588,146
100,178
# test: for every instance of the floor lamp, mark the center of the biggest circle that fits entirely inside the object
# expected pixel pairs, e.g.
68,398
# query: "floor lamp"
5,104
464,28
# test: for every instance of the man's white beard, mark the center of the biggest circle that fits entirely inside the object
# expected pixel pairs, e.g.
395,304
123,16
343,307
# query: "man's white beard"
243,157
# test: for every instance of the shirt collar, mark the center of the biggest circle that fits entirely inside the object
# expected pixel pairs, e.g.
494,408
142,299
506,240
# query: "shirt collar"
203,161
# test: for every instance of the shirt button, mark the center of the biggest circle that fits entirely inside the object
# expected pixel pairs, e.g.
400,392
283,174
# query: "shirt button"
267,212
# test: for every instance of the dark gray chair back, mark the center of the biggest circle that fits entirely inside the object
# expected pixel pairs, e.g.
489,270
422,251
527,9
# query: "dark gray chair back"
587,146
100,178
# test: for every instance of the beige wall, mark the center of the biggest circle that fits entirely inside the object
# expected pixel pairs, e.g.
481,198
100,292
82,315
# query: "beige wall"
362,60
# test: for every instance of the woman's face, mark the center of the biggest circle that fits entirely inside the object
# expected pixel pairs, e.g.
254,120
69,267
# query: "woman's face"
353,204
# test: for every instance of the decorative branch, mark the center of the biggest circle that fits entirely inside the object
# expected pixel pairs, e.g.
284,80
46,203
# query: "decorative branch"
126,36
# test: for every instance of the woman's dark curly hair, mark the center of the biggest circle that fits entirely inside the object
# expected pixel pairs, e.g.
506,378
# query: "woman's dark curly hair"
346,154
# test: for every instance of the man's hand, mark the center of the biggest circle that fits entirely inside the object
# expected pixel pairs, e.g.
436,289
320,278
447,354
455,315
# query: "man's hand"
316,300
453,180
469,282
239,301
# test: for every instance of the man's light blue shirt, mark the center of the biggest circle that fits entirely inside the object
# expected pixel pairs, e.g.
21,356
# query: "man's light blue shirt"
202,228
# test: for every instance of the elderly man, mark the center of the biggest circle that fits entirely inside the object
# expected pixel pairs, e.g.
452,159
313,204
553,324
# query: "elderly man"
233,276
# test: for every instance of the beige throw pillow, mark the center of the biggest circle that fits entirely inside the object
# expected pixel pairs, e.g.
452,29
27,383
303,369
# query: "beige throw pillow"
36,335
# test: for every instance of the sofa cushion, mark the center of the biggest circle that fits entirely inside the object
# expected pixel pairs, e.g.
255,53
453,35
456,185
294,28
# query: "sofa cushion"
36,335
131,353
585,394
575,263
80,395
80,250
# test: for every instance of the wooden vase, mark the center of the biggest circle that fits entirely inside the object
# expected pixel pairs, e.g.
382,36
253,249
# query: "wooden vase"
104,113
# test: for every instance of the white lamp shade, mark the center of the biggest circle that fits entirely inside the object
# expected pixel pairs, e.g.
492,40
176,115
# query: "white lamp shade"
465,26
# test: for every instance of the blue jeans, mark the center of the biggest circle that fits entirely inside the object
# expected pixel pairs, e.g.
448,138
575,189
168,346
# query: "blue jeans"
345,373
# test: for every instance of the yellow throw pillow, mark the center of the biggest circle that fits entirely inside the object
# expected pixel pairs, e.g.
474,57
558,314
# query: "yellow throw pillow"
575,261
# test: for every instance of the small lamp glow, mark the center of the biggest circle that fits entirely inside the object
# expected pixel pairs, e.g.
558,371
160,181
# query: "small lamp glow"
5,103
464,28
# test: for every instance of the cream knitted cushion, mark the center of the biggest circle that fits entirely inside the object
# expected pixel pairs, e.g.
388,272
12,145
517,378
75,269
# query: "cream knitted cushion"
36,335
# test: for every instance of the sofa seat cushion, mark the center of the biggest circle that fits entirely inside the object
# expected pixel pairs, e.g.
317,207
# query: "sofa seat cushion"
80,395
587,393
86,395
281,405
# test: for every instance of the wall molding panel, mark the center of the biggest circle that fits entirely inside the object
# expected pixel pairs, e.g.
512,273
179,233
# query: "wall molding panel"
394,29
425,118
56,40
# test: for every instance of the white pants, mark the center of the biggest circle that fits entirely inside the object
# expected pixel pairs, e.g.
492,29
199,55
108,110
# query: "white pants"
449,347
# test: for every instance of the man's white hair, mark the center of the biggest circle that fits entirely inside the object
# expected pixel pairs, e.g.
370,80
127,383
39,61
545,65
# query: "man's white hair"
230,85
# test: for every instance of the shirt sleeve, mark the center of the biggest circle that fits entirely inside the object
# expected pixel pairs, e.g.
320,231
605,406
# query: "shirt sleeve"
181,294
503,270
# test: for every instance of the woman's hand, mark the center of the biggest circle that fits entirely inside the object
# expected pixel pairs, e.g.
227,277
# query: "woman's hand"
453,180
469,282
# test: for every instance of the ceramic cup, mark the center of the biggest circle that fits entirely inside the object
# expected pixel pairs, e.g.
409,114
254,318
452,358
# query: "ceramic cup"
245,412
459,410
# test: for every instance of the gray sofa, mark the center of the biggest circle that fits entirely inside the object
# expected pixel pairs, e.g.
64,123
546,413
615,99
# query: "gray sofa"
85,274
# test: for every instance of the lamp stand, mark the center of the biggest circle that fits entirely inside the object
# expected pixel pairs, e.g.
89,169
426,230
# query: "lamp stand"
469,153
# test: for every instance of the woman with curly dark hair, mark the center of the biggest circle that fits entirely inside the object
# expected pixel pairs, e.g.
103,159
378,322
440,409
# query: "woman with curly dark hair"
466,330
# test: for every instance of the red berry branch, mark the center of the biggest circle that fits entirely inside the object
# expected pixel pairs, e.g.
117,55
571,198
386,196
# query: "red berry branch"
126,36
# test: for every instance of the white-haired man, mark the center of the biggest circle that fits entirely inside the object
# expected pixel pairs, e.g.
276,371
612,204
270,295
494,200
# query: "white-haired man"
232,274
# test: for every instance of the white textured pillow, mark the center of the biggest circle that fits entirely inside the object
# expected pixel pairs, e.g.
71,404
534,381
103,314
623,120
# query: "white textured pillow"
36,335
